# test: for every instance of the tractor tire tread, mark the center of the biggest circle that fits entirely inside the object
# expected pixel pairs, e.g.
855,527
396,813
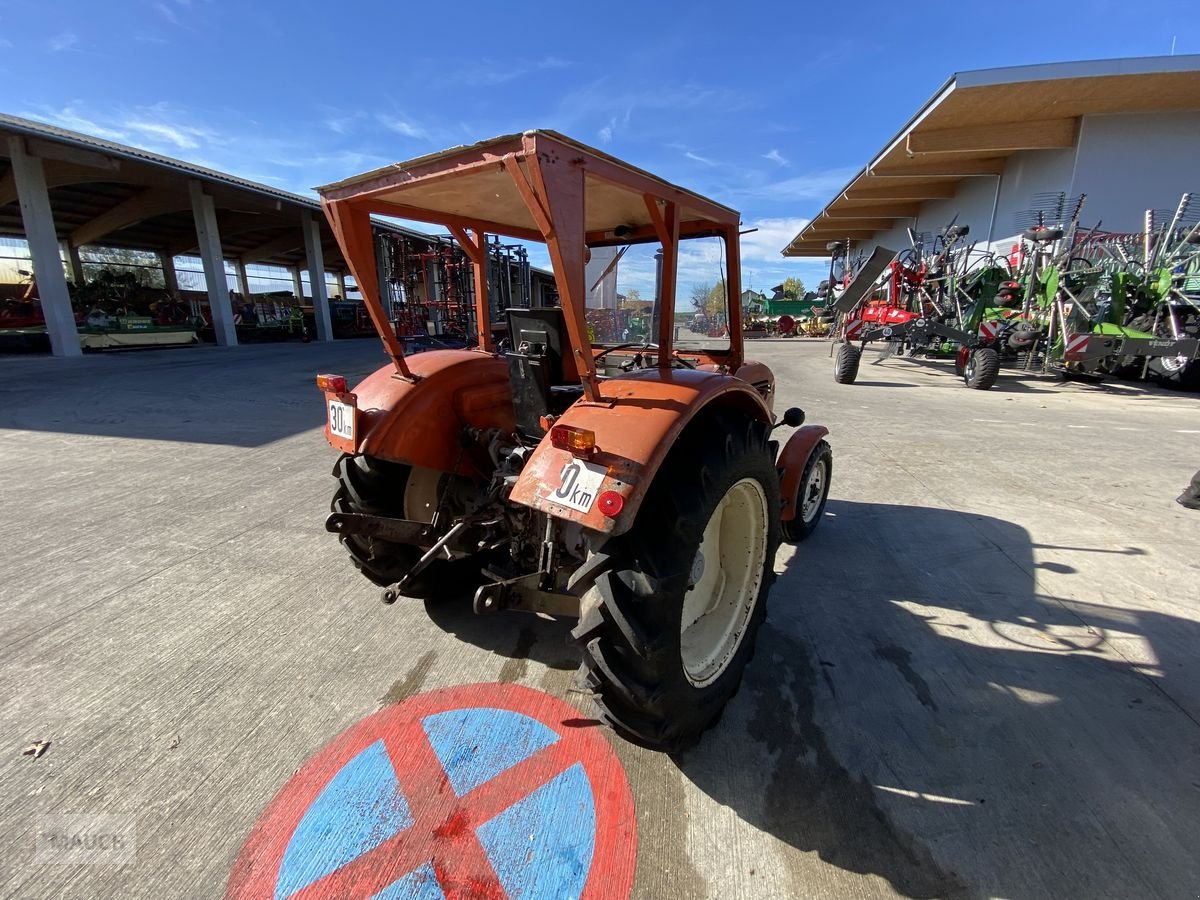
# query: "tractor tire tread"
982,369
845,367
629,628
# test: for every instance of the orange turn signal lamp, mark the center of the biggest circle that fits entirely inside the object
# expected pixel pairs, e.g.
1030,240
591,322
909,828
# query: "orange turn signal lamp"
333,384
577,441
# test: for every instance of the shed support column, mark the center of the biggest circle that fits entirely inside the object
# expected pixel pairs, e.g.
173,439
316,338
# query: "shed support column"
72,253
316,277
243,280
34,199
209,240
341,283
170,277
297,285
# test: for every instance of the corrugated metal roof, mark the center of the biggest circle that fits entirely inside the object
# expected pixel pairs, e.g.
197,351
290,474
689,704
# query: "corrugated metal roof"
30,128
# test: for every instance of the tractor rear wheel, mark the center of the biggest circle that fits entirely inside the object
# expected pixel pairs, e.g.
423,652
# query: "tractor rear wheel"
814,492
982,369
845,364
378,487
670,610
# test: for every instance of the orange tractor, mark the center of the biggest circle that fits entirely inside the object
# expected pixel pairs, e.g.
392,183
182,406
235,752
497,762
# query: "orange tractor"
634,485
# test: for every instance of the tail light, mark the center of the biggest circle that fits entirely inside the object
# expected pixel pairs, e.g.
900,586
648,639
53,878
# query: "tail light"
332,384
577,441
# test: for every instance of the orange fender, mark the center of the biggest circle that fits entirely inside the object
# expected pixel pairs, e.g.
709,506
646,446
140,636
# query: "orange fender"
791,464
636,423
421,422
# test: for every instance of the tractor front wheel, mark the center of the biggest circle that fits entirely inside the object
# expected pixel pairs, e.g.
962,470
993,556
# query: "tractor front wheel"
982,369
814,492
670,610
845,364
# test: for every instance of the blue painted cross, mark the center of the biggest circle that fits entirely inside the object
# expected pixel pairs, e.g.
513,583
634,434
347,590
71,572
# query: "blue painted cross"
474,800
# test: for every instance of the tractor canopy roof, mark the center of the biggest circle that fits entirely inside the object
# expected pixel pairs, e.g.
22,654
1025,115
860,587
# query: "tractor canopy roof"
537,186
473,186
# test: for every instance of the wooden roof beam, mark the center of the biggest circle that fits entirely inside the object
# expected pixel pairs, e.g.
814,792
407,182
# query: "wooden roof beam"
942,190
144,205
288,242
824,223
873,211
950,167
1039,134
829,234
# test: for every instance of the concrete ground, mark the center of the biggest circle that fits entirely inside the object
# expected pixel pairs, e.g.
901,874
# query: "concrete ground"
979,678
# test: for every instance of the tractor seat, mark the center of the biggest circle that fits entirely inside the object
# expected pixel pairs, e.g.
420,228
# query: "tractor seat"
562,396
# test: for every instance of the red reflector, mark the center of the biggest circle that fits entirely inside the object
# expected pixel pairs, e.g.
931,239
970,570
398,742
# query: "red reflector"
579,441
335,384
611,503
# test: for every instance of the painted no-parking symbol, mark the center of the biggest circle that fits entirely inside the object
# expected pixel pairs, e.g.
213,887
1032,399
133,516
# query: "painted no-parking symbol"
485,790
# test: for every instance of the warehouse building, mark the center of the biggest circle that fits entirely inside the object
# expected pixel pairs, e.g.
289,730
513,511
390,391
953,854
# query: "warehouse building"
72,204
992,147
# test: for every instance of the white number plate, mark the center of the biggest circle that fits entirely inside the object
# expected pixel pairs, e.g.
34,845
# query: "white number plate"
341,420
579,484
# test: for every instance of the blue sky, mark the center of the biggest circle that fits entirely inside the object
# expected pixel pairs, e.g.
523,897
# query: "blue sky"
767,107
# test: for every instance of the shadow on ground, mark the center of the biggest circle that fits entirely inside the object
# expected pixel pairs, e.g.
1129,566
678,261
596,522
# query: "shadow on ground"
916,710
243,396
517,636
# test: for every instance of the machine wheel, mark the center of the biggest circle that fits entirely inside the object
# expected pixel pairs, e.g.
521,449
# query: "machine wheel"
378,487
983,366
845,364
670,610
814,492
1176,372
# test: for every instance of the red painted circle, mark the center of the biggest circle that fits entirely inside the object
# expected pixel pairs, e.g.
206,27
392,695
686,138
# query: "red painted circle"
580,741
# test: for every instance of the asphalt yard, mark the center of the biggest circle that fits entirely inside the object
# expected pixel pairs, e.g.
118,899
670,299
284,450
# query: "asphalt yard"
979,678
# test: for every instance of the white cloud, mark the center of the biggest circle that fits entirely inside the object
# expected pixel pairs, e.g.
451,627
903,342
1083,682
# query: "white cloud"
343,123
696,157
771,237
776,157
5,43
61,42
821,185
403,126
490,71
180,136
167,13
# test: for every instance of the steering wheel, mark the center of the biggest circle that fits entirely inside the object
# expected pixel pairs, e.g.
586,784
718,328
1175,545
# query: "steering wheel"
640,346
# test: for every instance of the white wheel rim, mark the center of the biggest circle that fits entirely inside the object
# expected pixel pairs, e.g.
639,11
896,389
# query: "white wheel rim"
726,578
421,494
814,492
1173,364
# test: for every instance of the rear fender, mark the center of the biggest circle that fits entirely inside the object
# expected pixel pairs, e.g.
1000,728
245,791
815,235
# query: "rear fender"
791,463
421,421
636,424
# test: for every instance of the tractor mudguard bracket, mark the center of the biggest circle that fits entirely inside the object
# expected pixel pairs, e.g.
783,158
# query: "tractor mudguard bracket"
791,463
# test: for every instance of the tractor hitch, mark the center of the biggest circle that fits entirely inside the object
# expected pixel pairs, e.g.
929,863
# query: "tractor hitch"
524,593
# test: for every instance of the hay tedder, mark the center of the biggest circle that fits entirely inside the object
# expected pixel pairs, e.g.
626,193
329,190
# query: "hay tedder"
634,485
1072,302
